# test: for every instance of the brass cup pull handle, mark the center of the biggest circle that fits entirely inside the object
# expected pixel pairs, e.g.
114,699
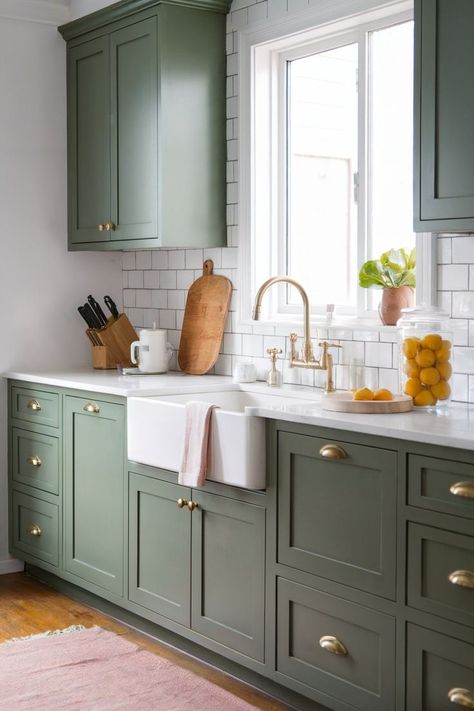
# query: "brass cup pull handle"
35,461
91,407
461,697
463,488
34,405
109,226
332,645
192,505
181,503
463,578
333,451
35,530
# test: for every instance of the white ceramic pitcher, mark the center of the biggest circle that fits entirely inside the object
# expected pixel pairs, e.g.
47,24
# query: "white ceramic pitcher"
154,352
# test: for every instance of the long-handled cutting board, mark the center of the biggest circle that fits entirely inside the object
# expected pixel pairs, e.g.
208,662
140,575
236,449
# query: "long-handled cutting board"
204,319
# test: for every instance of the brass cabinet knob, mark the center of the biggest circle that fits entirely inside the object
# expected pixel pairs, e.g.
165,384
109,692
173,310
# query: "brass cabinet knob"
463,578
332,645
109,226
35,461
101,227
463,488
181,503
35,530
34,405
91,407
461,697
192,505
333,451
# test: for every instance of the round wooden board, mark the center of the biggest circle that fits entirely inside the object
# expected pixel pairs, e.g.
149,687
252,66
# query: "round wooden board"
343,402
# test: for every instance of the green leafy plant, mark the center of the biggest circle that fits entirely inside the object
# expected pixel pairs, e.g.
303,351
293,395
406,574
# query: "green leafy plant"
395,268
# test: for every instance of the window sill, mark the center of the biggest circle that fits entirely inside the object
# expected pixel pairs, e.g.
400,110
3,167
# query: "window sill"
341,323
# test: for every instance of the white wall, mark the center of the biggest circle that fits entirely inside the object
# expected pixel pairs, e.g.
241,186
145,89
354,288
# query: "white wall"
41,284
84,7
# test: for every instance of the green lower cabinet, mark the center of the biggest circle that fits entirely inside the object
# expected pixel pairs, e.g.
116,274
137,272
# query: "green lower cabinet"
35,528
335,647
228,572
337,515
35,460
440,672
94,492
160,547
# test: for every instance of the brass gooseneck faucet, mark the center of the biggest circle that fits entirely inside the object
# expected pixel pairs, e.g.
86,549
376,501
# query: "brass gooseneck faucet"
307,359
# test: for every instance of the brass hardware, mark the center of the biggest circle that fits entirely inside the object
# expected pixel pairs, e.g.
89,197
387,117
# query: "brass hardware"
109,226
192,505
463,578
91,407
182,503
101,227
35,461
306,359
332,451
463,488
35,530
461,697
333,645
34,405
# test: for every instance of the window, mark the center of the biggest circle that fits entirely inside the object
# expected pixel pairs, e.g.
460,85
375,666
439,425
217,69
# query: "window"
331,168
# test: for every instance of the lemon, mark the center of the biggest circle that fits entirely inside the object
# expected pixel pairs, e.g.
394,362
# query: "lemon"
411,368
410,347
383,394
445,370
412,387
363,394
425,358
432,341
441,390
429,376
425,398
443,354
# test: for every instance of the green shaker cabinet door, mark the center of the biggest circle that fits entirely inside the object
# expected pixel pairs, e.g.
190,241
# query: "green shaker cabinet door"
89,141
160,547
444,115
134,193
228,572
337,517
94,492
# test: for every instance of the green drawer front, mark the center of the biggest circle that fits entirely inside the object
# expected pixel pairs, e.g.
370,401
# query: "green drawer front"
363,677
337,517
433,556
31,515
35,460
441,485
436,666
36,406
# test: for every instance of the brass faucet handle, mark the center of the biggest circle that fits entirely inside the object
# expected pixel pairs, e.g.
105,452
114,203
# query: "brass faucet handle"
326,345
274,351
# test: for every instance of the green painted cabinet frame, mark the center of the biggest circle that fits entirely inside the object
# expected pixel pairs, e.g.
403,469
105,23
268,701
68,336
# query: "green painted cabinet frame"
146,126
444,116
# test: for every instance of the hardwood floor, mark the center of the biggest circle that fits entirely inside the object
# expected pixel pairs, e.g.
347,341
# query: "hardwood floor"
30,607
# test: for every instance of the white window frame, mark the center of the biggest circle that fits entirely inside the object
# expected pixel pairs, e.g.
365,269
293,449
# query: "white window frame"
261,48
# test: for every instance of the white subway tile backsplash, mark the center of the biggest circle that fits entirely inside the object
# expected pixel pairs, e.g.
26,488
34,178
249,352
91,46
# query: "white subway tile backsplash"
176,259
463,304
159,299
143,298
176,299
464,360
388,378
463,249
232,344
184,278
252,345
378,354
453,277
143,259
168,279
460,387
151,318
351,351
129,297
135,280
159,259
151,279
128,260
167,318
444,250
257,13
194,258
214,253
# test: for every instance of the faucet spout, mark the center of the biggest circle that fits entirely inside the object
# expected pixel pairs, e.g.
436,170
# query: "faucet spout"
308,356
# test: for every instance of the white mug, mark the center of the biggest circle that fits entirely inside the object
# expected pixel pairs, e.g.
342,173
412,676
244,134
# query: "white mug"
154,352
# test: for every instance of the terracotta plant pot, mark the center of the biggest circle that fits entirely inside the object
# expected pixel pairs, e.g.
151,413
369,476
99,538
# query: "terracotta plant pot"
393,300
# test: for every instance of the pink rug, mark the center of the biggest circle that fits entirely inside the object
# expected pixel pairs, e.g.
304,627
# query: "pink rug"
97,670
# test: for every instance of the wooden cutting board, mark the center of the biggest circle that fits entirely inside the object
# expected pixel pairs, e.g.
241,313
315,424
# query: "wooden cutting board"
204,319
343,402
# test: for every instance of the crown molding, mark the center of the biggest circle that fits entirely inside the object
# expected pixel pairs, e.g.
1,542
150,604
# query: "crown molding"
46,12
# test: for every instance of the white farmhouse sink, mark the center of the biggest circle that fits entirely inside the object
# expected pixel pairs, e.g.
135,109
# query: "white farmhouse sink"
237,446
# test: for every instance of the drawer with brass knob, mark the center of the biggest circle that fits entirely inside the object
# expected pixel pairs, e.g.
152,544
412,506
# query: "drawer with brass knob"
35,460
441,573
441,485
35,528
335,646
35,406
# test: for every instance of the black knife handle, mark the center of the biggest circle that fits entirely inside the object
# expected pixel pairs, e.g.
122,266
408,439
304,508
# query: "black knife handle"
91,316
101,317
110,303
84,316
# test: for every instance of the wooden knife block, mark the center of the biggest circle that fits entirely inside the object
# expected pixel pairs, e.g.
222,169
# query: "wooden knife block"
115,340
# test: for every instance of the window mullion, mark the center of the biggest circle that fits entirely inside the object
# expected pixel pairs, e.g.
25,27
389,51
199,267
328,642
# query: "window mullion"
363,165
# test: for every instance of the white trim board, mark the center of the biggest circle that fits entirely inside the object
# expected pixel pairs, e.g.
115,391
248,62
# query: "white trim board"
47,12
12,565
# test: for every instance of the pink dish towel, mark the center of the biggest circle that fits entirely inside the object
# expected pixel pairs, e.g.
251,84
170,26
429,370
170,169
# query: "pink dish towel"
196,444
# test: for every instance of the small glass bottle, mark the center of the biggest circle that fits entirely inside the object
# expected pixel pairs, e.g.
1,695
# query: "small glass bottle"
274,376
426,361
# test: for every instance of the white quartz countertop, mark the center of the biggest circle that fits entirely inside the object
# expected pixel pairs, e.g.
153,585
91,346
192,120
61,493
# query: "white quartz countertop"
453,427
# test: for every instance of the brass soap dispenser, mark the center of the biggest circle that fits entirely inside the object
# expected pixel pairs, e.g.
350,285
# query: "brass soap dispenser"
274,377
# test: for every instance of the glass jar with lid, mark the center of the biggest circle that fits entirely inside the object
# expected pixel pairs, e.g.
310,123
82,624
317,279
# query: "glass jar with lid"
426,365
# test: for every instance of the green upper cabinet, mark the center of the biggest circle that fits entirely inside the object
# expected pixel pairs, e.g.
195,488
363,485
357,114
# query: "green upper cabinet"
146,127
444,116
